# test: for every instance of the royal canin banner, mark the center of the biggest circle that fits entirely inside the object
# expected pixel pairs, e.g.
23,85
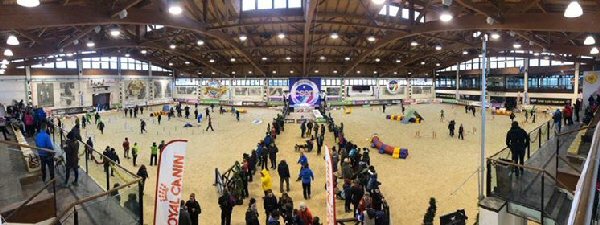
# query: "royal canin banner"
169,185
330,185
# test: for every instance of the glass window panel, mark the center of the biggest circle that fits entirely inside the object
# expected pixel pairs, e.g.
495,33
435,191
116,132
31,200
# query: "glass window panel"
248,5
383,10
544,62
534,62
105,65
519,62
144,66
510,63
405,13
87,65
501,64
294,3
72,64
265,4
393,10
280,4
61,65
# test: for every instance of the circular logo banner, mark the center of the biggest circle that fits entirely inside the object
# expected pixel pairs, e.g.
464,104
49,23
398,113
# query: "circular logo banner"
214,89
304,92
393,86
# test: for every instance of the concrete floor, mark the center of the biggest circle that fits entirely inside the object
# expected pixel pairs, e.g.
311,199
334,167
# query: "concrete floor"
443,167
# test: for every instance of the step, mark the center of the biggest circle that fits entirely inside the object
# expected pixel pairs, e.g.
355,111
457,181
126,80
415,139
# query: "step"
563,214
553,206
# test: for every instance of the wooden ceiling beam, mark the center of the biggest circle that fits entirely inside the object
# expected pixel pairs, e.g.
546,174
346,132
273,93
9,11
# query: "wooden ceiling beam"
309,15
125,6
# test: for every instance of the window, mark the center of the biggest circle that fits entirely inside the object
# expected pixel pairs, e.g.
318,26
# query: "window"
248,5
405,13
265,4
383,11
280,4
294,3
393,10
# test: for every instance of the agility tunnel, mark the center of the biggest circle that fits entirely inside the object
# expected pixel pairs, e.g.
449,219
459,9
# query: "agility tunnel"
394,117
396,153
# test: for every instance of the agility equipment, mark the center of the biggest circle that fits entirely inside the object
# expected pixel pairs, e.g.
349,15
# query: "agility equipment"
347,110
418,135
412,116
242,110
395,152
153,114
501,111
394,117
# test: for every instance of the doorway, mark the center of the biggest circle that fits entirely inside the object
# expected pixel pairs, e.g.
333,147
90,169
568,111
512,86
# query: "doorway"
101,101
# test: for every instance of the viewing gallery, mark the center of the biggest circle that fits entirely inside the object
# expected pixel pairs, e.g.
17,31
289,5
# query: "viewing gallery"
299,112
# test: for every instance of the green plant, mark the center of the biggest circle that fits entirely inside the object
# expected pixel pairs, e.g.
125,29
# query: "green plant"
430,214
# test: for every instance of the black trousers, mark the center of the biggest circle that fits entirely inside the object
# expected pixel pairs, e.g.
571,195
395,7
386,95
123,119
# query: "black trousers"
273,162
518,157
319,149
225,217
210,126
75,170
461,136
134,160
153,159
47,161
287,182
4,132
306,190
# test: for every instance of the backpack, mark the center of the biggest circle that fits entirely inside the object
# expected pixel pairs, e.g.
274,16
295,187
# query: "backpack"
251,216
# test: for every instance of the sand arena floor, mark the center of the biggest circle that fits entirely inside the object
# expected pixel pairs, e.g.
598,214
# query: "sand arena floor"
443,167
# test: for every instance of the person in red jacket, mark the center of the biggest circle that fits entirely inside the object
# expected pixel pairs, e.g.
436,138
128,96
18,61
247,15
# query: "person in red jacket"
568,115
29,124
305,214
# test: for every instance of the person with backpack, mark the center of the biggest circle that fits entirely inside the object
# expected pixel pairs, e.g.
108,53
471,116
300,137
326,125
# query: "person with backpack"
226,203
252,213
517,140
306,175
284,175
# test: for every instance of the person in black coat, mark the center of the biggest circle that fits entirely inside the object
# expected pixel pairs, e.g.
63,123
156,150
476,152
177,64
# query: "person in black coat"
226,204
356,194
320,140
184,216
517,140
72,153
115,158
193,208
273,155
143,173
577,109
284,175
451,127
270,204
303,129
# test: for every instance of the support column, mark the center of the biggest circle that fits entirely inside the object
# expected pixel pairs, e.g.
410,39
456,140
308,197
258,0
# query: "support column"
433,86
28,89
121,82
576,84
79,78
150,85
409,88
343,92
526,76
457,80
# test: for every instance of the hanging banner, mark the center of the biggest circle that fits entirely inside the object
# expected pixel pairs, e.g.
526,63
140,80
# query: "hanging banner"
304,92
330,186
591,85
169,183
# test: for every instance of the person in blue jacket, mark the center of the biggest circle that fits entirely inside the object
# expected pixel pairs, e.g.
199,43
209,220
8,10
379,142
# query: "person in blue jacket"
302,160
42,140
306,175
39,117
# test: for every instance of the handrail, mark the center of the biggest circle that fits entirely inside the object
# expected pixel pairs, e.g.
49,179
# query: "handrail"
94,150
30,199
529,168
498,153
576,130
581,208
91,198
569,164
25,146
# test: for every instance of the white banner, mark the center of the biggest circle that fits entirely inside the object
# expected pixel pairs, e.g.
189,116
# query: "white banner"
329,183
591,85
169,184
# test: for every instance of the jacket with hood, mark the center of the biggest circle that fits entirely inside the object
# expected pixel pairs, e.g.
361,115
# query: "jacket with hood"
517,139
265,180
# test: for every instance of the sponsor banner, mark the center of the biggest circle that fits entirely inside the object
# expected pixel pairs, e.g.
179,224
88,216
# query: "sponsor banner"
591,85
393,87
549,101
304,92
330,185
169,183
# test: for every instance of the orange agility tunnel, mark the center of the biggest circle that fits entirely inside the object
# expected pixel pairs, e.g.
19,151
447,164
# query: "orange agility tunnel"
395,152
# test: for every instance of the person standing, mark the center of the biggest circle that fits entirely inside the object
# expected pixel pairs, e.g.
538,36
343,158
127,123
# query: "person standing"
320,140
226,204
134,153
517,140
125,110
557,117
84,121
461,132
101,126
143,173
72,153
193,208
43,140
159,118
309,126
209,123
89,148
284,175
96,117
266,182
303,128
322,129
143,126
273,155
306,175
237,115
184,216
533,114
126,148
270,204
142,110
187,112
153,154
577,109
356,194
196,113
252,213
207,112
442,115
512,116
383,107
451,127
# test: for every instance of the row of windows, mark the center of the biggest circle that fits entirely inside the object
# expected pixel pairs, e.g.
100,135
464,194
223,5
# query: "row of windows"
285,82
557,81
394,11
504,62
248,5
102,63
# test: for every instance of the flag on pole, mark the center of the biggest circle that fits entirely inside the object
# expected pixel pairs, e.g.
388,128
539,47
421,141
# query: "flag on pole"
169,183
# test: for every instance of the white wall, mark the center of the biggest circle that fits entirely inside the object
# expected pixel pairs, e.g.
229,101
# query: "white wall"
12,88
509,94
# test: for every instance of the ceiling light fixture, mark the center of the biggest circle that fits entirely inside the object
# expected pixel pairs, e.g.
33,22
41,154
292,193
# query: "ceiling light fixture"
316,71
437,64
291,71
233,72
90,44
438,47
516,45
243,37
495,36
358,71
8,53
446,16
200,42
12,40
115,31
274,72
58,59
395,73
594,51
374,72
371,38
288,58
335,72
232,59
211,60
264,58
281,35
187,63
413,43
172,46
249,72
465,52
378,2
28,3
143,52
377,60
127,55
398,60
589,40
322,57
175,10
573,10
4,62
422,63
170,64
347,58
334,36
